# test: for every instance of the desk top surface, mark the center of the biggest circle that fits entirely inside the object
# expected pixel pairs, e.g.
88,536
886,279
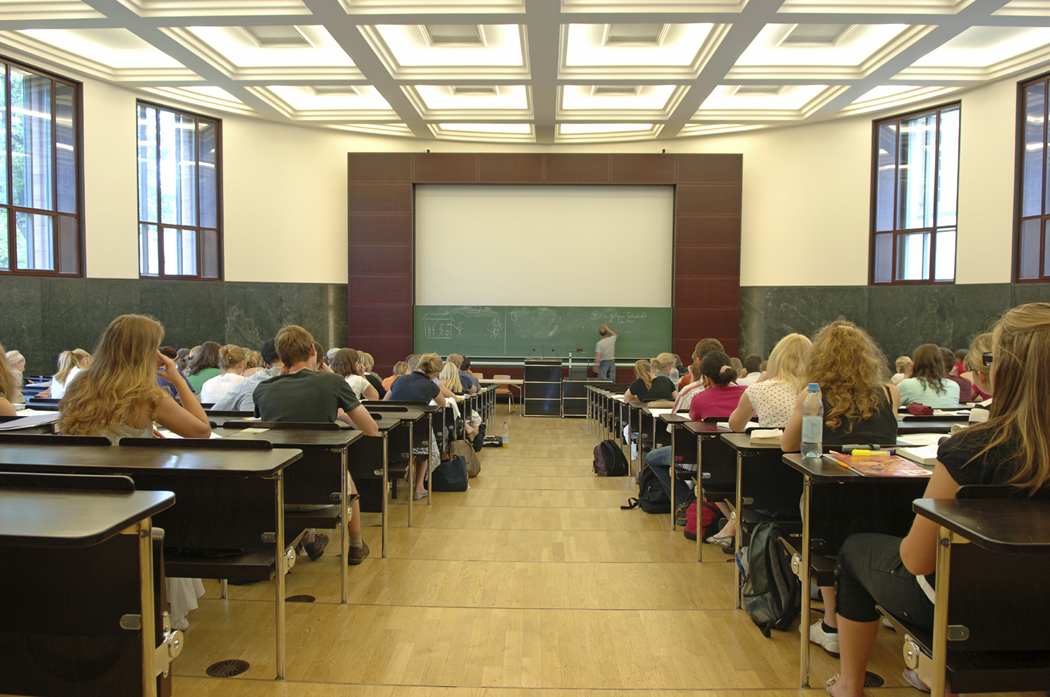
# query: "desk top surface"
297,438
706,428
999,525
501,381
49,518
926,425
742,442
825,469
57,458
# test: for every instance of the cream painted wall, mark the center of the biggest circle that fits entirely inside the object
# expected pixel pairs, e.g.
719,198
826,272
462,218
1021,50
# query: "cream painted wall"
806,193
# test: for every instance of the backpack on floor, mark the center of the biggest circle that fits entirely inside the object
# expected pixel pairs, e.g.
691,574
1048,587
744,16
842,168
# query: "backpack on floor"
708,521
770,589
651,495
609,459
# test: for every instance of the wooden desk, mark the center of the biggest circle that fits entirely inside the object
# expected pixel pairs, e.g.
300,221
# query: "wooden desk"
58,543
505,382
679,447
311,478
868,504
926,425
246,485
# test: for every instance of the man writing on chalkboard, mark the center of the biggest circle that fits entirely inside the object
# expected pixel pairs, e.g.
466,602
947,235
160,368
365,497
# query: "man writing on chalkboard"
605,354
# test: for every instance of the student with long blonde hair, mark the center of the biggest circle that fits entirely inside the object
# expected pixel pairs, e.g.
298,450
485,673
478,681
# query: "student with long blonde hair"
70,363
651,381
8,388
1011,448
117,396
449,378
232,360
773,400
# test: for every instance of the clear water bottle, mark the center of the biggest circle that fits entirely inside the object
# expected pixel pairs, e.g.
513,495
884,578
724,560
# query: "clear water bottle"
812,422
506,435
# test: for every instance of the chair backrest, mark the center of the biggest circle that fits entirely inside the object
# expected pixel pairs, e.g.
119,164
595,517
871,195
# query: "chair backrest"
477,375
502,389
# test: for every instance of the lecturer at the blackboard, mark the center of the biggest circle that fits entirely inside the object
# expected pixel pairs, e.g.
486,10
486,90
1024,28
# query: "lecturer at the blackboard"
605,354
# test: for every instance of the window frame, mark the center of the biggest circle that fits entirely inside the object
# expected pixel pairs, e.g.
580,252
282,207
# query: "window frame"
1019,184
197,229
900,232
11,209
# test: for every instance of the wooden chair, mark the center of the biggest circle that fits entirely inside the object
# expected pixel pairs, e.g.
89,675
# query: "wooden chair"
505,391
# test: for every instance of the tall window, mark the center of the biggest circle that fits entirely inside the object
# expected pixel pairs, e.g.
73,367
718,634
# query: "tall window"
915,195
1032,253
180,208
40,165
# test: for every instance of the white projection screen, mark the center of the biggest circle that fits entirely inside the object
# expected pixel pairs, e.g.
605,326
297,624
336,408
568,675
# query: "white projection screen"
544,245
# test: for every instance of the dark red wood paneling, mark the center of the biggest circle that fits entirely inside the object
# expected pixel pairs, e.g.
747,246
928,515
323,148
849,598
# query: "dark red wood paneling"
445,168
692,230
379,198
380,228
709,321
390,320
642,169
706,291
708,200
380,259
392,289
705,261
709,169
379,167
386,350
577,169
510,169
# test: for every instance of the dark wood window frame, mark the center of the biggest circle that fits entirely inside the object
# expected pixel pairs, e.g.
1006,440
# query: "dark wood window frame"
10,209
896,233
202,260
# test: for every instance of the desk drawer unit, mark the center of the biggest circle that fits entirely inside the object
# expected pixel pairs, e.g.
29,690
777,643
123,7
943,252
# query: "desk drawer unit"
542,387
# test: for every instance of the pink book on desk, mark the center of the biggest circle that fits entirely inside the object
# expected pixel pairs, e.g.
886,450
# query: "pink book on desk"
880,465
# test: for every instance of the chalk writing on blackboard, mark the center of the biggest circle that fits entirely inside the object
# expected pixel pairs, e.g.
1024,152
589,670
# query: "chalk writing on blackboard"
495,328
442,327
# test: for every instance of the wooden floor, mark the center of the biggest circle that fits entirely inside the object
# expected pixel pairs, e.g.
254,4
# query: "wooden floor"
533,582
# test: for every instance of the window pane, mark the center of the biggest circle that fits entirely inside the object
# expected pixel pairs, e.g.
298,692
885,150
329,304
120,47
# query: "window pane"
68,245
944,264
3,142
65,147
913,256
210,253
1031,238
147,146
5,257
178,169
149,251
180,252
1032,175
948,174
209,188
884,258
915,172
31,140
35,241
886,177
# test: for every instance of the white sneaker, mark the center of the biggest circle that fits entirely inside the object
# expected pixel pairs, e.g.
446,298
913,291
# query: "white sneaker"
828,641
180,623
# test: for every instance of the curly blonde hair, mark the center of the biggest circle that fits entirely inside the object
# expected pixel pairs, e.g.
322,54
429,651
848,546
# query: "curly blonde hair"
121,381
851,371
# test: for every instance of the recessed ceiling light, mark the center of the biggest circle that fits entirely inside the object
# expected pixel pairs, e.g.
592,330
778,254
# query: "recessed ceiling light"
276,36
634,34
816,34
764,90
615,90
484,90
453,34
333,90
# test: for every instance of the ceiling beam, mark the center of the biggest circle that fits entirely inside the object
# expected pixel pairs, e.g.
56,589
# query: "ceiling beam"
543,32
344,30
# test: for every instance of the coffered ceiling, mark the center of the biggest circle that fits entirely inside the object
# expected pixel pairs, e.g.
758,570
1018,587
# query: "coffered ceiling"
536,70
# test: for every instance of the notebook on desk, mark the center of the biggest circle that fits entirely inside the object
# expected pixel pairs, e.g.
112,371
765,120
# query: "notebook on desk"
880,465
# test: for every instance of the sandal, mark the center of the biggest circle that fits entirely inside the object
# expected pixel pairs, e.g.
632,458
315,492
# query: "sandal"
830,682
723,542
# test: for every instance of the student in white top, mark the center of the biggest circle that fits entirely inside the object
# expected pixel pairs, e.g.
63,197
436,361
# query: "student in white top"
773,399
8,386
753,368
902,364
70,363
231,362
347,362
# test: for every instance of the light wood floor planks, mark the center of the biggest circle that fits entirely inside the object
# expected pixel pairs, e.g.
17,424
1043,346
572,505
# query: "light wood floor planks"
531,584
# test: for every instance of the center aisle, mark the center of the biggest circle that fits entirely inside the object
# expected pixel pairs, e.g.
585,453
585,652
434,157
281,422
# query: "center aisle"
533,578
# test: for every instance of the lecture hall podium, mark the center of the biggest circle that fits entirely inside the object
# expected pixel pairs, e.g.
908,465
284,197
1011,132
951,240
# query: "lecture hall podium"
542,387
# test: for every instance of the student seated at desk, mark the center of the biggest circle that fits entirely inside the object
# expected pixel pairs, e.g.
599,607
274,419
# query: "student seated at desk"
242,396
469,382
8,387
347,362
367,363
400,368
1011,448
421,386
70,363
926,383
651,383
702,348
231,362
773,400
659,459
252,364
303,394
859,407
977,373
203,365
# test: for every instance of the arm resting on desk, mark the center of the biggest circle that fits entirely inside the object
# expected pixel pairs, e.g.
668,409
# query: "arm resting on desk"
360,418
742,414
919,548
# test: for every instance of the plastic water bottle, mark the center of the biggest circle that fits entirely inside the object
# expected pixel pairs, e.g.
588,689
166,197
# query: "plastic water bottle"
506,435
812,422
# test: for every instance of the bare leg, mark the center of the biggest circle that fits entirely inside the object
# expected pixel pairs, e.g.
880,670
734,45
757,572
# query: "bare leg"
421,471
830,618
354,526
856,640
730,528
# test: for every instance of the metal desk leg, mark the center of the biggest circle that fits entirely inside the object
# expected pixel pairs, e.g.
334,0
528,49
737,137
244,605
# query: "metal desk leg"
673,477
386,487
411,470
699,496
147,623
739,522
430,473
940,611
804,577
281,568
344,533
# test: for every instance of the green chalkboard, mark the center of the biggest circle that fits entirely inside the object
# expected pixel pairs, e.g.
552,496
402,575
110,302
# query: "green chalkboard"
539,331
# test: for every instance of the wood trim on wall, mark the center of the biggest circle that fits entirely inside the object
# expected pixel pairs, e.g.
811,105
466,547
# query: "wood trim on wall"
380,233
